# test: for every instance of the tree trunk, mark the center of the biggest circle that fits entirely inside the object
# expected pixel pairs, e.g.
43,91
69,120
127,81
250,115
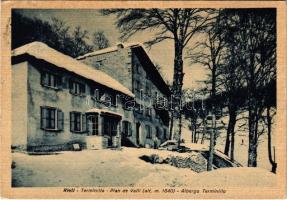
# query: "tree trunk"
179,128
252,112
195,133
192,132
204,131
212,143
232,115
171,126
227,141
232,145
269,123
252,149
177,85
212,134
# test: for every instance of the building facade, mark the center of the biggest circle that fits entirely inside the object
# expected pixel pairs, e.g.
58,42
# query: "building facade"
59,103
131,66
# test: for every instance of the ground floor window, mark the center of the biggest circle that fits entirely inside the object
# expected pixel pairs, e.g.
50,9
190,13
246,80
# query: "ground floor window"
93,124
52,119
127,129
78,122
148,131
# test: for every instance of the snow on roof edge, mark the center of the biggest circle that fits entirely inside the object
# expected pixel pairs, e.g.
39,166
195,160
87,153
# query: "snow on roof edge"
42,51
110,49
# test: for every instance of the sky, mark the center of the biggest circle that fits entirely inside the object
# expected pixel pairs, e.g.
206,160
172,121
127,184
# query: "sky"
92,21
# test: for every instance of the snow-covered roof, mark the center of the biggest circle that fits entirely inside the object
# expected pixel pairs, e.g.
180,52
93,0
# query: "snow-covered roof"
110,49
42,51
101,110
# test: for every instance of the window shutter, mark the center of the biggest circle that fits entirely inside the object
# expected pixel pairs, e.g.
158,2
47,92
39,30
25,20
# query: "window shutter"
84,123
44,78
97,94
72,121
60,121
71,86
43,117
130,129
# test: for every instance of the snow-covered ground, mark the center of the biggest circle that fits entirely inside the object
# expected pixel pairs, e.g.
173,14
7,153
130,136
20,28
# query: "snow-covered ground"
124,168
241,142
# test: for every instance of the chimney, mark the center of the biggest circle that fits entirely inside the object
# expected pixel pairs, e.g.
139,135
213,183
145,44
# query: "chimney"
120,46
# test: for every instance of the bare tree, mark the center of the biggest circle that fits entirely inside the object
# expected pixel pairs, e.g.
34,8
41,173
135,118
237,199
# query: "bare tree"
251,30
179,25
230,79
210,53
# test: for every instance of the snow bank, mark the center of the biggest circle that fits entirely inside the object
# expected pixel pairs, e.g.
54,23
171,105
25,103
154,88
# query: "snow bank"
238,176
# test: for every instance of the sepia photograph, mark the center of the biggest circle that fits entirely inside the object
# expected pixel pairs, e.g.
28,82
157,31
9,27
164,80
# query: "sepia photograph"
174,101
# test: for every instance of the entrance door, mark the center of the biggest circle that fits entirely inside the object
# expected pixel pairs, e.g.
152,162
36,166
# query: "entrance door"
138,132
93,124
110,128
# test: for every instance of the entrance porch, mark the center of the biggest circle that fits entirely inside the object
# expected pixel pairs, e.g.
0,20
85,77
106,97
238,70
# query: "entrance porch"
104,128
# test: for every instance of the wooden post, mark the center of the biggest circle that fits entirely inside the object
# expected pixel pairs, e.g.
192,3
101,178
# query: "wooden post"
101,123
119,133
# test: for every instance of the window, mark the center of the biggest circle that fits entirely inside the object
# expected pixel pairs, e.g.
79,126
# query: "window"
51,80
109,100
52,119
158,132
95,93
137,68
77,88
93,124
148,89
137,85
155,97
128,103
148,112
99,64
139,108
127,129
148,131
78,122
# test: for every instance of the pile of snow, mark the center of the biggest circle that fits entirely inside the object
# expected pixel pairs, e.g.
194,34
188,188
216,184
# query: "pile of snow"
196,146
42,51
